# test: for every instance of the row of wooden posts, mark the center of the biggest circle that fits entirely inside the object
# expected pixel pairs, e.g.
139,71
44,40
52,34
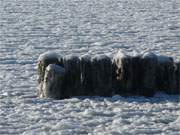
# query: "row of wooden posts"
64,77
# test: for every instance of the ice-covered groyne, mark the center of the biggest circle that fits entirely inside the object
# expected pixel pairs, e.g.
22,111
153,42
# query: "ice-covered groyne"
142,74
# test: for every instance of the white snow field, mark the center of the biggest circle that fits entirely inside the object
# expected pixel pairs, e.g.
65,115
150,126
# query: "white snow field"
31,27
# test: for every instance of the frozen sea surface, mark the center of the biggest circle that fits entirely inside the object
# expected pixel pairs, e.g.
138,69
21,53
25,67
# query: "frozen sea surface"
31,27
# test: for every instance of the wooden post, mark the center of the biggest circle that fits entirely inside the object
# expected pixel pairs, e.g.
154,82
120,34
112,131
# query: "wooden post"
147,73
123,68
86,76
72,76
165,74
102,75
136,75
176,79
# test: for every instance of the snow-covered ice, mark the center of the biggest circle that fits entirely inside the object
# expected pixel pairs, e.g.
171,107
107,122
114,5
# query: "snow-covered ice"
29,28
97,115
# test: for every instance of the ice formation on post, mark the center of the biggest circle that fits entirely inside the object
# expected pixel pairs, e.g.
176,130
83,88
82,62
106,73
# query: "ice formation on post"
43,61
53,83
123,72
100,75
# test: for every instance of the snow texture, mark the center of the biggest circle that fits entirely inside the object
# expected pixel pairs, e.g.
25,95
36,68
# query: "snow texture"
29,28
